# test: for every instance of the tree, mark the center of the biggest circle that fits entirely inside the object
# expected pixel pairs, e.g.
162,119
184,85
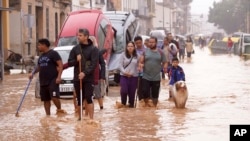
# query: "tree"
229,15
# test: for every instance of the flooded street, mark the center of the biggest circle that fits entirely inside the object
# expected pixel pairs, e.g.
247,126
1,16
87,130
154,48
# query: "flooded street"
219,87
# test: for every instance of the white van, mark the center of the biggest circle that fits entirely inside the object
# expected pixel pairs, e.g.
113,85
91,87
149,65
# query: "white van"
244,45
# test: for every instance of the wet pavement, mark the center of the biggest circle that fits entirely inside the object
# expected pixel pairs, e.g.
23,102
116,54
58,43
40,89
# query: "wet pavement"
218,96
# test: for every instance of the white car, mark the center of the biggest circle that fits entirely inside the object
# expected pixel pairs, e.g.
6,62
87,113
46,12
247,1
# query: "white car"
67,86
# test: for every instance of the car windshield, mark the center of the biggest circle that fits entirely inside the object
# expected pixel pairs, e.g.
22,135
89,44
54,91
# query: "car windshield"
66,41
246,39
64,55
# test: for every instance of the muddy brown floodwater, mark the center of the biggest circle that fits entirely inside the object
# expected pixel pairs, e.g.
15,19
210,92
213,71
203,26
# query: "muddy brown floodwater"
219,88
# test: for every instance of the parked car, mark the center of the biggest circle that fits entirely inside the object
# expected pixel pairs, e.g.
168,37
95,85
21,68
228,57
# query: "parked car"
97,24
126,27
66,87
244,45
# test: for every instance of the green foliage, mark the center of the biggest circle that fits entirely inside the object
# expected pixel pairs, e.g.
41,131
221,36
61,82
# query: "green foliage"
229,15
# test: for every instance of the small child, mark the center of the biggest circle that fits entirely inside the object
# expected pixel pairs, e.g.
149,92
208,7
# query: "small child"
176,73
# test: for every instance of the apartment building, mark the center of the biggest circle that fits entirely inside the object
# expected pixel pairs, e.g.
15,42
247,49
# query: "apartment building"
31,20
172,16
144,10
89,4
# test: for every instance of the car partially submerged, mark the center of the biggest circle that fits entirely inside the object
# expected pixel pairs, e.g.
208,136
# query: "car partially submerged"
126,27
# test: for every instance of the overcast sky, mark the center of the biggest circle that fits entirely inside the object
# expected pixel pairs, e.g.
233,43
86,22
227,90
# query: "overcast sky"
201,6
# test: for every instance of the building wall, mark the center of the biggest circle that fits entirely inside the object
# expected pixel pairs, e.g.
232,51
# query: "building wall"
117,4
129,5
85,4
162,16
44,17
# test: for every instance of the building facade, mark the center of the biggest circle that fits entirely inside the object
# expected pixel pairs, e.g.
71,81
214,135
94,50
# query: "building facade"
34,19
144,10
89,4
172,16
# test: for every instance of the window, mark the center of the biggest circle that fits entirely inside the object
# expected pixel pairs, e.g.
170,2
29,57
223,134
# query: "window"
102,2
56,25
47,22
131,32
101,37
246,39
30,12
102,31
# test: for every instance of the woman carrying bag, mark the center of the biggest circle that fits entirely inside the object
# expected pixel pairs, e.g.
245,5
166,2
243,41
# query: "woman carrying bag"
129,74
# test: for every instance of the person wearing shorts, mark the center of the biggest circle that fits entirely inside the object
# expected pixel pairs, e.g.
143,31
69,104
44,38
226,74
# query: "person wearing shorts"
99,92
151,63
87,55
50,69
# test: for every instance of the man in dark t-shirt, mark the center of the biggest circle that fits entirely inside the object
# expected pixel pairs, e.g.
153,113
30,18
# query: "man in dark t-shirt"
50,69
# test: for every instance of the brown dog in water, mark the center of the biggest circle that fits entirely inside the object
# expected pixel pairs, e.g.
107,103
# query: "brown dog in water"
180,94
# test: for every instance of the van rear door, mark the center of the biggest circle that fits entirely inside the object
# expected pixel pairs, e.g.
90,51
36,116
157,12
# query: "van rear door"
246,46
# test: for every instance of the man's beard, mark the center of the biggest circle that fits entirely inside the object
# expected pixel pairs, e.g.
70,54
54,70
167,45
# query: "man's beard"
152,47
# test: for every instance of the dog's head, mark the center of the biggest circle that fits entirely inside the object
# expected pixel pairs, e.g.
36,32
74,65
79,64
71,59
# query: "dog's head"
180,85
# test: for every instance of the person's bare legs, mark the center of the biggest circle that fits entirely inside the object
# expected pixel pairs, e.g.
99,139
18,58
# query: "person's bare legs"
90,109
146,102
100,101
155,102
74,101
79,111
57,102
85,105
47,105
